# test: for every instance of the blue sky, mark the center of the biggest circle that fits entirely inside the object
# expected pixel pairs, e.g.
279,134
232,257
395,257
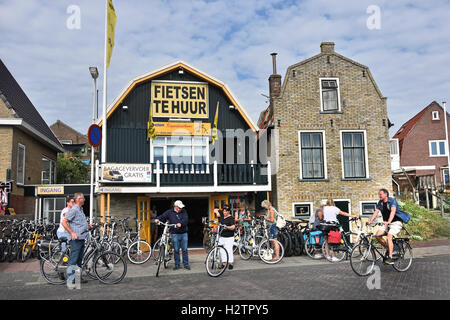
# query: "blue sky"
231,40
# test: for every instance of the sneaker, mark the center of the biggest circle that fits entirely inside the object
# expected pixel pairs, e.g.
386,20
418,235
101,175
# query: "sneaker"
176,268
389,261
318,256
187,267
230,266
334,259
71,286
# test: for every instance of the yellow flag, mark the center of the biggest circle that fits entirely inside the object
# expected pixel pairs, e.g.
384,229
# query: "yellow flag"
112,19
214,128
151,132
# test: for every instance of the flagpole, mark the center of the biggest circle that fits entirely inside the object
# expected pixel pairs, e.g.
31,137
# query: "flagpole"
105,68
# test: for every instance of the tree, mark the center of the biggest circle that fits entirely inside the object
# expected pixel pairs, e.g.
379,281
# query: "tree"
71,170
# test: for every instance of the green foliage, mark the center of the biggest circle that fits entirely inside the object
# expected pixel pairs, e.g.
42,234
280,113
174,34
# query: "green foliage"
424,224
71,171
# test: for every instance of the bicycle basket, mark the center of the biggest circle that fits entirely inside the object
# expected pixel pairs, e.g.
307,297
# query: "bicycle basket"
334,237
315,237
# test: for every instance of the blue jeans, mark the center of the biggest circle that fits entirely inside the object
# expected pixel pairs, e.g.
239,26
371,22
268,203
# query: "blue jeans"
65,235
180,241
75,258
273,231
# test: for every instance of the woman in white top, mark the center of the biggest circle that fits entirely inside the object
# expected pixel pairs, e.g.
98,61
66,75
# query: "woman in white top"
330,213
61,232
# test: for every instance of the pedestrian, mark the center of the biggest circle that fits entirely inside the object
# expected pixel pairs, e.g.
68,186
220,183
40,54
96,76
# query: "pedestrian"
178,215
3,199
61,232
330,214
227,235
242,217
316,219
76,225
153,225
271,223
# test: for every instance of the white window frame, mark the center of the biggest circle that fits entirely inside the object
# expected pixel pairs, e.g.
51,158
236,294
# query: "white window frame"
311,204
205,143
66,141
324,144
361,203
437,148
42,172
397,145
338,95
435,115
366,153
21,183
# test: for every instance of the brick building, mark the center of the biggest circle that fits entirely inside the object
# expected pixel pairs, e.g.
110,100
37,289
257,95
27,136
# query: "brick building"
28,147
328,121
74,142
419,150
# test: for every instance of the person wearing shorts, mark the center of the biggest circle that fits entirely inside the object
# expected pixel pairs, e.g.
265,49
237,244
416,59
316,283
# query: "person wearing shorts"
392,223
271,223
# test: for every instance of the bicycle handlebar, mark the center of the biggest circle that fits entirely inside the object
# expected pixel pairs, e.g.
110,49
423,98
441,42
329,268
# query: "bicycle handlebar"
167,224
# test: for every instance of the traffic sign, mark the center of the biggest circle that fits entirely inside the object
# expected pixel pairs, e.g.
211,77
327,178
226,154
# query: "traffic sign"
95,135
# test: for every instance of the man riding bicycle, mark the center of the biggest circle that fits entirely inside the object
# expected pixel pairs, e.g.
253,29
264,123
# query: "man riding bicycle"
393,222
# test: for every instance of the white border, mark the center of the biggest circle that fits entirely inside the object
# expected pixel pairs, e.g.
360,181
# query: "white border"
311,204
364,202
433,113
366,153
338,94
437,148
19,145
324,145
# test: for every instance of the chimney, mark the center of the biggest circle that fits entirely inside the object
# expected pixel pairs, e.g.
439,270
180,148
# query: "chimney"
274,79
327,47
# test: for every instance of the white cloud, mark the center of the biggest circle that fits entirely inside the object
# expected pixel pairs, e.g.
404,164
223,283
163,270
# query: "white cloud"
230,40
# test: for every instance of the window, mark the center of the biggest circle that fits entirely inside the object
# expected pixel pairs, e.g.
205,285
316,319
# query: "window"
180,150
302,210
445,176
368,207
65,141
329,95
52,209
21,164
435,115
394,146
48,171
437,148
354,157
312,155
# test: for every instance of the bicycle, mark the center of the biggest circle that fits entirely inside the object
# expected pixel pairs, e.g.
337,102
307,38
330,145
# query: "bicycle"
363,256
214,260
98,263
139,251
164,253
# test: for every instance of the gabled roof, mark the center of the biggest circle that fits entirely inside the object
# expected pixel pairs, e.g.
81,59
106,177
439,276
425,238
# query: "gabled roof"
59,123
403,131
16,99
169,68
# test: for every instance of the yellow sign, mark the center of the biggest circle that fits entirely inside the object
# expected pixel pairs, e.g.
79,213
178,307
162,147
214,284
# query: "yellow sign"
50,190
179,99
182,128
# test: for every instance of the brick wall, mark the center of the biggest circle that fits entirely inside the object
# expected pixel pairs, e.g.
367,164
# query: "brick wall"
6,135
298,108
64,132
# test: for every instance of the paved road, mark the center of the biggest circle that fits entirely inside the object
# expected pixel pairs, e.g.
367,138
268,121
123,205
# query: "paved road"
428,278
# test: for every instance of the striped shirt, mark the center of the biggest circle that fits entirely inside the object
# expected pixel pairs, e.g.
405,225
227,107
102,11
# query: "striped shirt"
77,222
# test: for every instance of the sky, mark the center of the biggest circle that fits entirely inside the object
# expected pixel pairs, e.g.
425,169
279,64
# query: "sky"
407,52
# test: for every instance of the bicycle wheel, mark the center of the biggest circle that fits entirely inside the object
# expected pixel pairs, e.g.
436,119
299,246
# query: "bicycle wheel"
53,270
110,267
362,259
155,250
267,251
246,250
214,263
161,257
336,250
285,240
311,249
298,247
116,247
405,257
139,252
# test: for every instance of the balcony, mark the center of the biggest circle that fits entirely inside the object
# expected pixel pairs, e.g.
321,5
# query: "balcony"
170,178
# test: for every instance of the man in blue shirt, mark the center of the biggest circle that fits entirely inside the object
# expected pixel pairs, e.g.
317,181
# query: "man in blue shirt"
178,215
76,225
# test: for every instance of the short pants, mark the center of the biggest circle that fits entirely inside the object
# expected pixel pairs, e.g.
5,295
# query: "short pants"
394,228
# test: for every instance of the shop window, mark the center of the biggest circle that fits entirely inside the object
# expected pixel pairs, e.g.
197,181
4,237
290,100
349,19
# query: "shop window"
48,175
302,210
21,164
368,208
52,209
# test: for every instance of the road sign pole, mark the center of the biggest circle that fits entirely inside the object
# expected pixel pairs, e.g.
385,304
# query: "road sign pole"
91,204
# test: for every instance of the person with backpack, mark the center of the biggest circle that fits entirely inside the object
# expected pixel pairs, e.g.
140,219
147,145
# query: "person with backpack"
271,222
393,218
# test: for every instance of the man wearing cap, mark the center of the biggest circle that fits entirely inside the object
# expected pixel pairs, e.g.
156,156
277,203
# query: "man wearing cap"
178,215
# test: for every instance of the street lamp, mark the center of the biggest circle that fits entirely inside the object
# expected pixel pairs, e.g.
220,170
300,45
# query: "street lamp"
94,74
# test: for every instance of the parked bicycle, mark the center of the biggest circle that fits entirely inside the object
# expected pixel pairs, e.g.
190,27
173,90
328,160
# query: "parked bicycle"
217,259
164,249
